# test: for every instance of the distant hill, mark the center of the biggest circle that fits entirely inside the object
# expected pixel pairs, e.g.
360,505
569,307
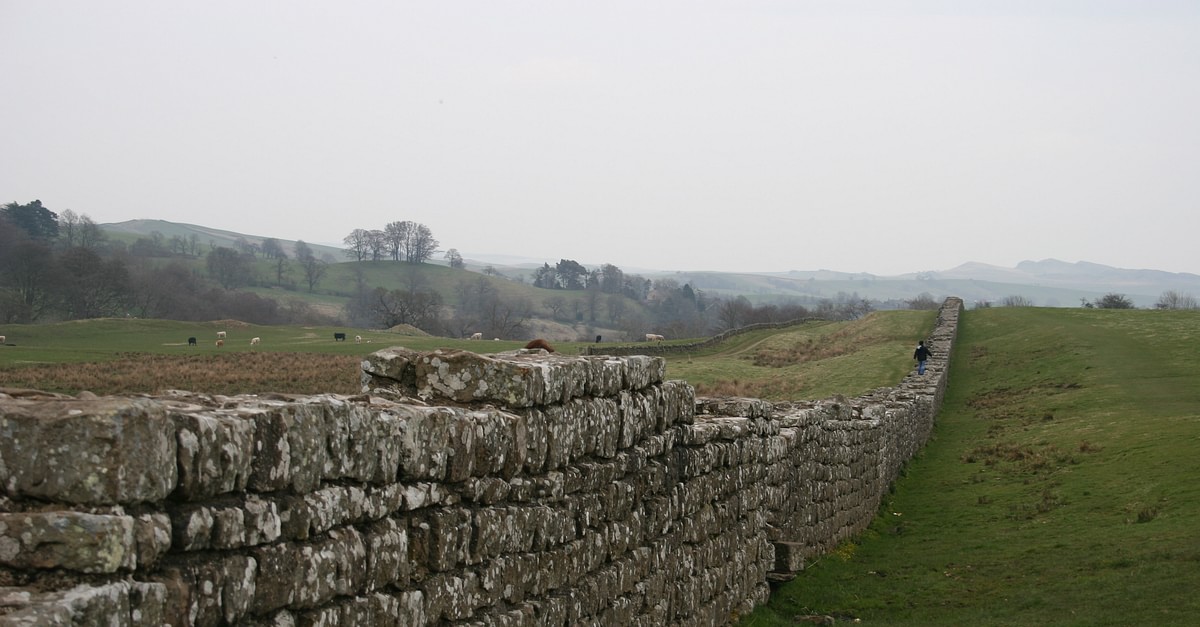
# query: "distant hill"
1049,282
216,237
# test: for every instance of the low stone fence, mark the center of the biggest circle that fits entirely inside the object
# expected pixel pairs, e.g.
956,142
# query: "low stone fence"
519,488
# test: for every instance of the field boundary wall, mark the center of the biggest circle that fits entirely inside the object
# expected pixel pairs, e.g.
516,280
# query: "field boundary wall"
514,489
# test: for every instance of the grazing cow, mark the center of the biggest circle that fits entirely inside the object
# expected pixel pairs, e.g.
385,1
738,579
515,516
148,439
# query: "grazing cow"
191,341
220,335
476,336
220,343
255,341
339,337
540,343
357,339
597,339
654,337
2,339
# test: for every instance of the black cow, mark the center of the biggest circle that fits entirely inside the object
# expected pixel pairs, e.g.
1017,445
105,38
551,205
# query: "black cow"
339,337
191,341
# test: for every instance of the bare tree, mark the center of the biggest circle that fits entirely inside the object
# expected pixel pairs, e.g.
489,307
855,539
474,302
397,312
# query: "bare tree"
68,227
396,234
282,267
556,305
422,245
923,301
314,270
734,313
376,244
1171,299
271,248
357,245
1015,301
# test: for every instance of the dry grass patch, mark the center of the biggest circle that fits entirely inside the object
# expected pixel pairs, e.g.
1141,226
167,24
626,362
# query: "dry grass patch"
231,373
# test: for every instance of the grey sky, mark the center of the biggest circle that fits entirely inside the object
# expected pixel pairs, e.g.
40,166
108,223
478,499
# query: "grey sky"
882,137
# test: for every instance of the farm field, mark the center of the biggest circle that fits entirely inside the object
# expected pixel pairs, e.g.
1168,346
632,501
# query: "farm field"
115,356
124,356
1061,487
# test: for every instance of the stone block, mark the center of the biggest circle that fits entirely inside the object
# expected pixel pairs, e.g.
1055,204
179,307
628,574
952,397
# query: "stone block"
152,538
386,544
289,447
351,441
214,453
89,543
390,371
209,590
103,451
118,603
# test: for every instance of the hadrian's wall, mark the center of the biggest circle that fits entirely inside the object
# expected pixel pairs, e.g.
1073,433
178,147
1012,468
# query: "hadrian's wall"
457,489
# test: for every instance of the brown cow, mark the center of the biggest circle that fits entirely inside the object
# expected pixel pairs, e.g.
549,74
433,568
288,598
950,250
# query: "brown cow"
540,343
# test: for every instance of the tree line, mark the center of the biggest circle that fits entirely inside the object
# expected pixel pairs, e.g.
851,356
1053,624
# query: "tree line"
63,267
60,266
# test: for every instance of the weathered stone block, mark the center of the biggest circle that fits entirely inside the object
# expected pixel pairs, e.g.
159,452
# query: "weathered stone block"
351,441
89,543
386,544
95,452
152,538
390,371
289,447
214,453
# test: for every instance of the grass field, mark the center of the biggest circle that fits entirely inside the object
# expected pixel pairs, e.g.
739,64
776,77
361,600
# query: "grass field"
115,356
122,356
1062,486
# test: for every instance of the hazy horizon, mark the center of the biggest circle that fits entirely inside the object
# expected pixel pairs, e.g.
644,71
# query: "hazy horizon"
764,136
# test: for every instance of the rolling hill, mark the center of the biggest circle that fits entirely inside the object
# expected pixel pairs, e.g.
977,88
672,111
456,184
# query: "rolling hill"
1049,282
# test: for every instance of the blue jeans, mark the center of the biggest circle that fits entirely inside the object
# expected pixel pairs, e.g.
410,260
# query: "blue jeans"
921,367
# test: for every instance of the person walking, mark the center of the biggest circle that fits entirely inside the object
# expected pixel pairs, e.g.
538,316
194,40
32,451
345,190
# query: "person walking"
921,354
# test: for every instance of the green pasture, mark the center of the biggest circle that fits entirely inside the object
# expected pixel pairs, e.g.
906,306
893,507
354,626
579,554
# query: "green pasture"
1061,487
112,338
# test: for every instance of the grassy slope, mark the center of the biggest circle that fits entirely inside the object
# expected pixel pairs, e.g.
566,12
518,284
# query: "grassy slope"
334,290
815,360
1062,485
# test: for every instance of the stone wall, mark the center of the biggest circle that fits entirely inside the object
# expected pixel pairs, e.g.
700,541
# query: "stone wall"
520,488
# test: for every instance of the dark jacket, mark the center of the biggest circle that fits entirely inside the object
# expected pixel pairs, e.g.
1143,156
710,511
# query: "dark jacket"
922,353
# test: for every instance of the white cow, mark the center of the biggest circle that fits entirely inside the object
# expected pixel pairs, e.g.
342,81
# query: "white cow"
220,335
2,338
255,341
357,339
654,337
476,336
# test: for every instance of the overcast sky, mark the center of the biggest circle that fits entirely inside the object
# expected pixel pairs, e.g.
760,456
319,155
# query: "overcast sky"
862,136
